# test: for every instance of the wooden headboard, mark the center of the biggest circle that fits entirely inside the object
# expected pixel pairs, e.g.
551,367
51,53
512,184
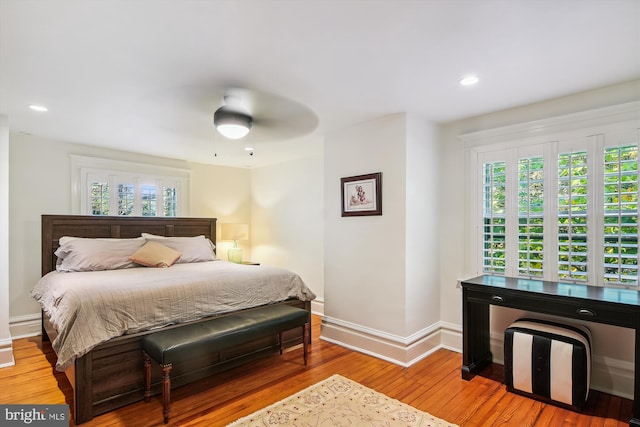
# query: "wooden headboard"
123,227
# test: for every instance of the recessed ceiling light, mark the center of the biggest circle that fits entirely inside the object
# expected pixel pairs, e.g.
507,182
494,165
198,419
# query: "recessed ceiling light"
469,80
248,148
40,108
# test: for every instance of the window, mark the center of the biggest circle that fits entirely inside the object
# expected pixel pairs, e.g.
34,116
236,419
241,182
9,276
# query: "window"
149,204
125,199
103,187
592,231
576,210
169,199
620,228
494,217
530,217
556,199
100,198
572,216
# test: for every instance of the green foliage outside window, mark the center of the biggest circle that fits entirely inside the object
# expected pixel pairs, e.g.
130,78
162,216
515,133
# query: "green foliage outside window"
617,211
621,215
531,217
100,198
494,217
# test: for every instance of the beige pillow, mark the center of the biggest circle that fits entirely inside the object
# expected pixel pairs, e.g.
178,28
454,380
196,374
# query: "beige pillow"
153,254
192,249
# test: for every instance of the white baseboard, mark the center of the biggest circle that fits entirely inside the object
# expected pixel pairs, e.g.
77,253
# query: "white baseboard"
317,307
6,353
403,351
25,326
451,336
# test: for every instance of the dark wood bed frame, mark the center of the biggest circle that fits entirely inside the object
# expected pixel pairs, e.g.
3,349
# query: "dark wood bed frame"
111,375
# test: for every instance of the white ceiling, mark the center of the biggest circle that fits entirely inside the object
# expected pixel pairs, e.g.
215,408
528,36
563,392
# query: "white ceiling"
147,75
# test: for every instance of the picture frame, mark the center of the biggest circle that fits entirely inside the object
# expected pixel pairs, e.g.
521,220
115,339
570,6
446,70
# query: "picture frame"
361,195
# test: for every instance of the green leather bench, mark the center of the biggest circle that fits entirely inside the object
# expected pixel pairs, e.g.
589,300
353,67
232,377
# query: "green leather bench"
176,344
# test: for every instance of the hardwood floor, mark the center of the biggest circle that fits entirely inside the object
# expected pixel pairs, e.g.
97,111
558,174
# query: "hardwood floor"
433,385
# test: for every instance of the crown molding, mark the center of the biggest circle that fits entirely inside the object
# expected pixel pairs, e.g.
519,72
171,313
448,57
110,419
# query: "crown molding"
553,125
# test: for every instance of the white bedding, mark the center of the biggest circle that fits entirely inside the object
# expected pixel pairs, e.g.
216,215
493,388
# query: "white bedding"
88,308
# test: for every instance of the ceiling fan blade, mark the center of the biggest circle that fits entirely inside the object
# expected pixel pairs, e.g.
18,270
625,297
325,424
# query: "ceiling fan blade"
275,118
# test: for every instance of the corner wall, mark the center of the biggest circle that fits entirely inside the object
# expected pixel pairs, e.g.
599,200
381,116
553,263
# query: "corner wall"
287,220
381,272
422,266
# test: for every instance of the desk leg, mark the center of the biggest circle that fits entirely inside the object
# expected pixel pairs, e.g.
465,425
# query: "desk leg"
476,351
635,416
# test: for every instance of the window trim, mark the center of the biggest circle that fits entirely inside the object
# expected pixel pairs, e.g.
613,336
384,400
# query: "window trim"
83,166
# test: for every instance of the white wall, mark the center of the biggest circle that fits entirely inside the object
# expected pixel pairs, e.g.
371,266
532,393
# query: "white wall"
381,272
422,262
40,183
287,220
223,193
613,347
365,255
452,214
6,348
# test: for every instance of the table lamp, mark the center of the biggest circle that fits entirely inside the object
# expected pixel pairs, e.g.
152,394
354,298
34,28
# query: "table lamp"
235,232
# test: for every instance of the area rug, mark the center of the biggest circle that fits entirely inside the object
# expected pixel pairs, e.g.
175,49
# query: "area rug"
339,401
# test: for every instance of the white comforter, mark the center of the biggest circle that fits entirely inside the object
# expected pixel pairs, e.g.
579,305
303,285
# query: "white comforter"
88,308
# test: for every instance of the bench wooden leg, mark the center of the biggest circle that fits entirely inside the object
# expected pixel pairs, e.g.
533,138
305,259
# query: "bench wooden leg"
166,392
305,341
147,376
306,330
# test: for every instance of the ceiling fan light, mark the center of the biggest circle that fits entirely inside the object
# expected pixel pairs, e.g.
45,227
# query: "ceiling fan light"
233,131
232,124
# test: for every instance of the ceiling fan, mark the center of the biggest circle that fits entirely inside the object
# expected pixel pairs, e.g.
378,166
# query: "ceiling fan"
268,117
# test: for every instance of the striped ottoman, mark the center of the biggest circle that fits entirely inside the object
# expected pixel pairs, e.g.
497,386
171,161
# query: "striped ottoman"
548,361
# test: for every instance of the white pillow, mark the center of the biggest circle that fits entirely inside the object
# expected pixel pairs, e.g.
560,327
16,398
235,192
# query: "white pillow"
193,249
87,254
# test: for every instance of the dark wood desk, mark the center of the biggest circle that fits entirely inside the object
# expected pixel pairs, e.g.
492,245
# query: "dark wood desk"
618,307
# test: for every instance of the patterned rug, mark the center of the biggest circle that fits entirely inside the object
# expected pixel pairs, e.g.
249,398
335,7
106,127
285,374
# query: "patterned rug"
339,401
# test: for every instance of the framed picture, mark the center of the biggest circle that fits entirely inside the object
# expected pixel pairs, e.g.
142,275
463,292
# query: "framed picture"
362,195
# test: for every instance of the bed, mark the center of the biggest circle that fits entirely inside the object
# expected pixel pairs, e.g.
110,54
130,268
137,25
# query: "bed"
107,372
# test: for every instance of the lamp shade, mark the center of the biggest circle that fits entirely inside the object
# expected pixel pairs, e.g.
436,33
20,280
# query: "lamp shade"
232,124
235,232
